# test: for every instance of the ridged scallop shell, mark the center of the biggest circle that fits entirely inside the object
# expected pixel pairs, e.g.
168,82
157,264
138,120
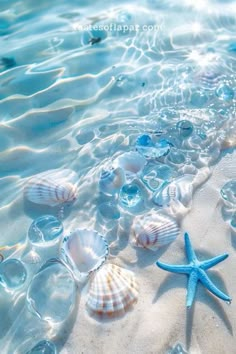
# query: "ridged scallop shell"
153,231
84,251
111,181
179,190
130,161
112,291
52,187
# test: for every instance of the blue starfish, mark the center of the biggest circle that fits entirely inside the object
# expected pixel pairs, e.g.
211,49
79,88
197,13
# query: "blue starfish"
196,272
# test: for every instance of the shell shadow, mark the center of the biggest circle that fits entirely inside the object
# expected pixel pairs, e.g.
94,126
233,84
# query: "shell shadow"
146,257
113,318
120,243
66,329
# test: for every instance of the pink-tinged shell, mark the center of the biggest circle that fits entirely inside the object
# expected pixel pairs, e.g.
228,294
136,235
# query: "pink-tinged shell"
113,290
153,231
52,187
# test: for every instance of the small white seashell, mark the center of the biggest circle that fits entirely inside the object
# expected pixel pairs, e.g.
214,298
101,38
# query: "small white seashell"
130,161
153,231
84,251
52,187
180,190
112,291
111,181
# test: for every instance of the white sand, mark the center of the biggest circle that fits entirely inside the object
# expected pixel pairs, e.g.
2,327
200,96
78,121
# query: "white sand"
160,318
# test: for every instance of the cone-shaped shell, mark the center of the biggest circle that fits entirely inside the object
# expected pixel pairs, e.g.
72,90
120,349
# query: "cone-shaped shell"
52,187
154,230
130,161
111,181
84,251
112,291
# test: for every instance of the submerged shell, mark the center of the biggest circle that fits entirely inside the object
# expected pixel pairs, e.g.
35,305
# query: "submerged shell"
52,187
153,231
179,190
130,161
111,181
84,251
112,291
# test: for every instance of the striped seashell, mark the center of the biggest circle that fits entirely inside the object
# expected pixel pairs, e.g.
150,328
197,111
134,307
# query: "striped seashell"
112,291
52,187
84,252
153,231
111,181
130,161
179,190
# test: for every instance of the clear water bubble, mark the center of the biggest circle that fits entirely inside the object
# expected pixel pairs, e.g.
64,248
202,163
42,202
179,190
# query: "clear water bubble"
150,178
154,174
144,140
43,347
109,210
163,147
176,157
228,192
52,293
12,273
185,128
225,92
130,195
151,151
45,229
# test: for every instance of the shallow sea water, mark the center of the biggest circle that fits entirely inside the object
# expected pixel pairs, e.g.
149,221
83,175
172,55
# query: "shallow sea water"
76,96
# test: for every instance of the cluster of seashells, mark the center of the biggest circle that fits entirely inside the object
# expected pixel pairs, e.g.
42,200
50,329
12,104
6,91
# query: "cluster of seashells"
85,253
148,176
112,289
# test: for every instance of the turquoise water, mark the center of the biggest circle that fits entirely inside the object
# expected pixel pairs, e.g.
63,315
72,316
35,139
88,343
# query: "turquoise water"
82,84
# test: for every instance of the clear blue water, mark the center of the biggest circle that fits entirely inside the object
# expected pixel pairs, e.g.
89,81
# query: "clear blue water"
81,84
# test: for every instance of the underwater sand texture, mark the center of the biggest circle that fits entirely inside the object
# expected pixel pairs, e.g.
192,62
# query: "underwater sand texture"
66,103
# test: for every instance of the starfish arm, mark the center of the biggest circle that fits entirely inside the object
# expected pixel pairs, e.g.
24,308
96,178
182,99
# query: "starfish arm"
192,286
206,281
189,249
213,261
174,268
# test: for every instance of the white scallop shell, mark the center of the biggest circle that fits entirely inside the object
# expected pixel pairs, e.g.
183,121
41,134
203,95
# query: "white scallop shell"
112,291
130,161
52,187
84,251
111,181
180,190
154,230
